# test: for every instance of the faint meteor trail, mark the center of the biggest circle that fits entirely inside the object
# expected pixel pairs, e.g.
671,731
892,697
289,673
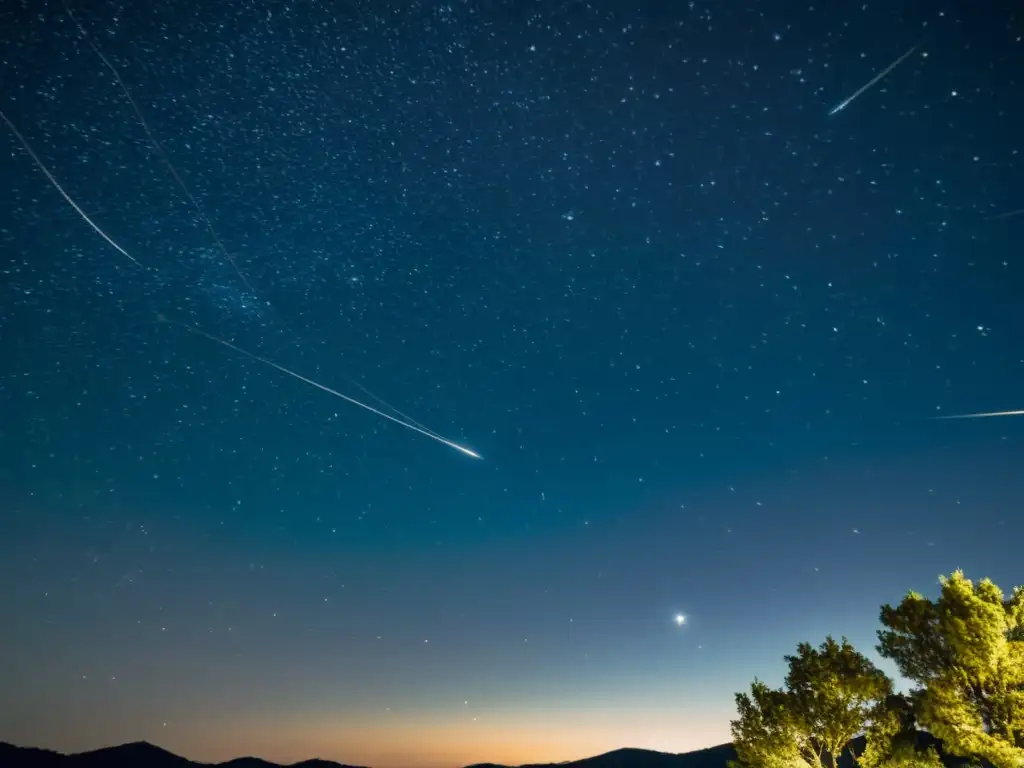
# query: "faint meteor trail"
200,212
59,188
422,430
846,102
325,388
987,415
1007,215
160,149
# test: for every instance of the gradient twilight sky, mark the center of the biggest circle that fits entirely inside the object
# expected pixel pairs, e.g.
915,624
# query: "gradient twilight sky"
695,326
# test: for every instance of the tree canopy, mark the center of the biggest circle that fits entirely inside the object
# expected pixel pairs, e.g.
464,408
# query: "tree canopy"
966,652
831,694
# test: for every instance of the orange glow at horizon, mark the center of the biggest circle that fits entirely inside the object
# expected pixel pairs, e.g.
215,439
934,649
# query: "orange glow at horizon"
509,740
439,741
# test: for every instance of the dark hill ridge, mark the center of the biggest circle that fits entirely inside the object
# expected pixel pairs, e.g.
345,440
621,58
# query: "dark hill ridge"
144,755
141,754
712,757
138,754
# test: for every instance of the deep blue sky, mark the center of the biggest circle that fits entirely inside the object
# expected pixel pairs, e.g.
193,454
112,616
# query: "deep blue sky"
696,327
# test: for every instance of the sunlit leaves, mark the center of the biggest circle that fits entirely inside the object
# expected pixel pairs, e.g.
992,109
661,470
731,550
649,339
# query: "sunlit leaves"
966,651
831,694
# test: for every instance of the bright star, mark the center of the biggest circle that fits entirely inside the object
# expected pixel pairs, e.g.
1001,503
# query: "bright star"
680,619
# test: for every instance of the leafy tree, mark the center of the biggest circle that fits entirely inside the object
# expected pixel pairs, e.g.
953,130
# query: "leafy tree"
892,739
966,652
831,694
768,733
903,753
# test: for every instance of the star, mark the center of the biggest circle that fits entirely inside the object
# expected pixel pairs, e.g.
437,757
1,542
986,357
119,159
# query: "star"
680,619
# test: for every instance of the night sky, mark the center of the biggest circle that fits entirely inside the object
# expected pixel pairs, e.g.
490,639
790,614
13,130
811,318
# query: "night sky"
695,326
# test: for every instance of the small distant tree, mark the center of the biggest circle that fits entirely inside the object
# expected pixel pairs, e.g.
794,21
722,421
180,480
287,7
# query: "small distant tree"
831,694
966,652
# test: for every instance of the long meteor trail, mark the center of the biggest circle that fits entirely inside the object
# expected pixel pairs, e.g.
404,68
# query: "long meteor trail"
325,388
414,425
987,415
200,211
59,188
159,148
846,102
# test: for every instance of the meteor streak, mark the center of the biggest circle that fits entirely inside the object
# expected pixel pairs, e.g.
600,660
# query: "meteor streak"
200,212
160,149
59,188
846,102
406,421
987,415
328,390
1006,215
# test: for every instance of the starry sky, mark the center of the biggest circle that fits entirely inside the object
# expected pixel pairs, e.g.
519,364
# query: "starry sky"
695,326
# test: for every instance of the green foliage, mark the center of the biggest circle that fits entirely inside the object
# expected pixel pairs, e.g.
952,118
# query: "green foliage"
767,733
831,694
905,755
966,651
837,691
892,739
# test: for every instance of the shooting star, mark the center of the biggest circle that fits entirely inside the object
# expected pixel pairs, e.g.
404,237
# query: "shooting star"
325,388
59,188
414,426
988,415
1007,215
846,102
159,148
200,211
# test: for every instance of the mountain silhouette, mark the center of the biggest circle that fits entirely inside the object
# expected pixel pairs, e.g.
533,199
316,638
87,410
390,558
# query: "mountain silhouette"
141,754
138,754
712,757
